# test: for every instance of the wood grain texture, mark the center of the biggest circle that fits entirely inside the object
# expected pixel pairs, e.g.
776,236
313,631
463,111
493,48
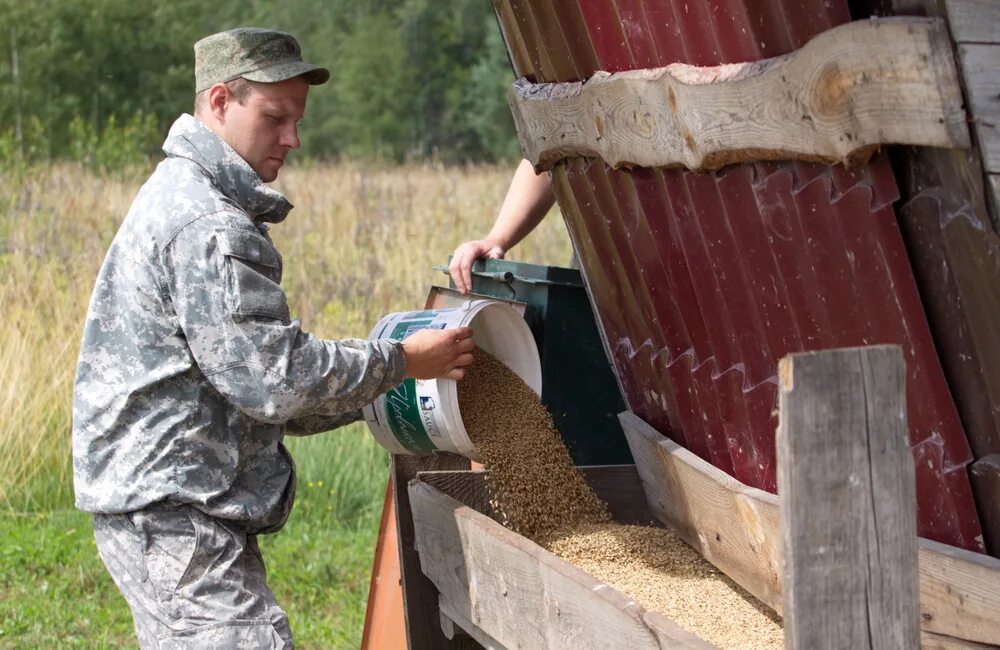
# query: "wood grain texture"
423,628
456,620
931,641
993,194
984,475
959,589
849,90
847,493
959,593
520,595
974,21
981,71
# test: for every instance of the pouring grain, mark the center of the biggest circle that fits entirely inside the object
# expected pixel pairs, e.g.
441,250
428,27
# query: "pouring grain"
537,491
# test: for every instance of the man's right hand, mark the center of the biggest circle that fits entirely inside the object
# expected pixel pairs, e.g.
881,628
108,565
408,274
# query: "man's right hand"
460,267
434,354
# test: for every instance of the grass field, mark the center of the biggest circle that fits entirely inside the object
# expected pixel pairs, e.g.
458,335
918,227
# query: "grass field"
360,243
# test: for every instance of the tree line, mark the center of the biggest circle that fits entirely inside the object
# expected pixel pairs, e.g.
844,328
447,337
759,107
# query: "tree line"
102,80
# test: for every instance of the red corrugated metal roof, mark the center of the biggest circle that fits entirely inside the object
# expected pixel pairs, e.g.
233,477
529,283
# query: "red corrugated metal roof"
703,281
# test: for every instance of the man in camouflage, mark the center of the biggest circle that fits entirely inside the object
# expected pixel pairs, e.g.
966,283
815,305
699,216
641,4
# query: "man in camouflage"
191,371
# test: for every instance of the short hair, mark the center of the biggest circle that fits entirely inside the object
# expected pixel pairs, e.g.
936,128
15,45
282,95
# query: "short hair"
239,88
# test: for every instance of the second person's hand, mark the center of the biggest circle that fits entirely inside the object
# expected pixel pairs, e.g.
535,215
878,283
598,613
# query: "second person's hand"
465,255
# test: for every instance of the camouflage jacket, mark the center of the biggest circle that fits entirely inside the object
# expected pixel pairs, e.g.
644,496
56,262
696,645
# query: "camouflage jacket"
190,370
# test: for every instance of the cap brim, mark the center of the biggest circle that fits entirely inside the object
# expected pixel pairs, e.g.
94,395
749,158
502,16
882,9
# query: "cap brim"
314,74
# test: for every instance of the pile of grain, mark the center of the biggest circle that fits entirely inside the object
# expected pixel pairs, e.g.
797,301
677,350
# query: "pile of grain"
663,574
538,492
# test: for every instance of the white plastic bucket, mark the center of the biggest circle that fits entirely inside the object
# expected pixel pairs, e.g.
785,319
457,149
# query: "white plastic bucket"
422,416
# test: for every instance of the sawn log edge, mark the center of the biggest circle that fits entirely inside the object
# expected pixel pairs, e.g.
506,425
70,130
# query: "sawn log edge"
837,99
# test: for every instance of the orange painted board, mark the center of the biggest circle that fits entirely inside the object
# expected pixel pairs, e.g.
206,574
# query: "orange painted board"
385,627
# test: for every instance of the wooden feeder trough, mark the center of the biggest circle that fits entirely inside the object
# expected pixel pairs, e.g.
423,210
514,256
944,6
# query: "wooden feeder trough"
850,578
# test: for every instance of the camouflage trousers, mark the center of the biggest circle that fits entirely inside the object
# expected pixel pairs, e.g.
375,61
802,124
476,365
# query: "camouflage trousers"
191,580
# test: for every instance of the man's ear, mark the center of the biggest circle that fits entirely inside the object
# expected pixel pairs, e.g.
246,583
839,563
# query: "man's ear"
218,101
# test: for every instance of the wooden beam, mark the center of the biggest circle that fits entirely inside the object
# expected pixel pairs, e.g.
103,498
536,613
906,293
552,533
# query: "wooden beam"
974,21
993,193
981,70
846,92
715,513
519,594
847,495
984,475
419,596
959,593
931,641
450,619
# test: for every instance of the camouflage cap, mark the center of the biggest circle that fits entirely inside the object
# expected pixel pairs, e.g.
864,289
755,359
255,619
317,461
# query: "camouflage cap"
255,54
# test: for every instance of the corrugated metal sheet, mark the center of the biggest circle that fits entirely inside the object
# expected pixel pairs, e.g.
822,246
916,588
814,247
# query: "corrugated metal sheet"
703,281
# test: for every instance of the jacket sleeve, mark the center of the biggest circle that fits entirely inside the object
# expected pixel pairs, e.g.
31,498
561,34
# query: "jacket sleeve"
222,283
311,424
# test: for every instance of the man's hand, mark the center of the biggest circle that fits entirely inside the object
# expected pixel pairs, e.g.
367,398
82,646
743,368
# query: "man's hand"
433,354
463,257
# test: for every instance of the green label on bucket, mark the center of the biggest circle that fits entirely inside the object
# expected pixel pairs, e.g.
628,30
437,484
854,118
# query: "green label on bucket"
407,327
404,418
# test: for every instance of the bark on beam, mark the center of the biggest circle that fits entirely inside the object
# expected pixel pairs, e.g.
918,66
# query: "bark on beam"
837,99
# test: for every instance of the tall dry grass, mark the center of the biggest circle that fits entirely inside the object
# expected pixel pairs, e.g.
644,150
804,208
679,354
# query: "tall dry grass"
360,243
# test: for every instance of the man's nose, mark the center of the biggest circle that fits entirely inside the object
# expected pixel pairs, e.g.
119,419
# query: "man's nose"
290,137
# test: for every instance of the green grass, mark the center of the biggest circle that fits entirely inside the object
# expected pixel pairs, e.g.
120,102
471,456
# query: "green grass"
55,592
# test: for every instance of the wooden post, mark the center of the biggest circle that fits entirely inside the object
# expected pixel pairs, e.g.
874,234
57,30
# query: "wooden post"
420,598
848,501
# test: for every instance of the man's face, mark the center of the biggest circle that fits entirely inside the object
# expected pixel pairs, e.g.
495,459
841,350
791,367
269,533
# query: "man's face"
265,127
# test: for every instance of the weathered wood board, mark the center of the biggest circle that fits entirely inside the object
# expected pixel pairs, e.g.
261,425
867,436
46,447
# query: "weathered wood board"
981,69
849,90
847,493
959,590
517,594
974,21
419,604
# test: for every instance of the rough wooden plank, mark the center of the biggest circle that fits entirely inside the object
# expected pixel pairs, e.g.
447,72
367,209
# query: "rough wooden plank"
959,593
419,596
959,589
847,493
974,21
984,475
993,194
521,595
931,641
844,93
733,525
617,485
455,619
981,71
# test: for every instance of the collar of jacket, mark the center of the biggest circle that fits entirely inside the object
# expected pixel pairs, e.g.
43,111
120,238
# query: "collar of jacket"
189,138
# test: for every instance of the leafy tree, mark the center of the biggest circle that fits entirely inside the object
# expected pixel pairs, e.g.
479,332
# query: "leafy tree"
410,79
